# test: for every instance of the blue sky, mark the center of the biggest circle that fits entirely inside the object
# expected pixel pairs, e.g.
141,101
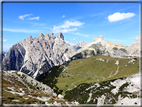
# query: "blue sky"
117,22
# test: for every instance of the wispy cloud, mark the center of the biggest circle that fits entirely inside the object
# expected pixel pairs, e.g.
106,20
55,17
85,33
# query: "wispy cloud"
127,8
95,15
21,30
66,26
4,39
73,39
119,16
34,18
21,17
83,35
63,16
36,24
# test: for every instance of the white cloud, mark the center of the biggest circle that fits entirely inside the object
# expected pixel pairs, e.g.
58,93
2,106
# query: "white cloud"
66,26
119,16
36,18
73,39
21,30
21,17
63,16
5,40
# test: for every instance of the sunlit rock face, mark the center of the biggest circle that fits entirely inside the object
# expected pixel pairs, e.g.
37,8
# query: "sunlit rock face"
99,46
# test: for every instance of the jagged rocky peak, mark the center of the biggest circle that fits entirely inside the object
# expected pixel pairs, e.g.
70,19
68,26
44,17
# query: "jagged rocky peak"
134,48
136,41
34,38
29,38
41,36
60,35
98,39
52,35
19,42
47,36
28,41
101,37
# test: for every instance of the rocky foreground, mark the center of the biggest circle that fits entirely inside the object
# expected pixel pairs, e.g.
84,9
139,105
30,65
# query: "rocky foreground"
19,88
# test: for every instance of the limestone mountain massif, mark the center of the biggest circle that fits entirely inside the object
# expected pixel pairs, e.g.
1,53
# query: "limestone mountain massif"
35,56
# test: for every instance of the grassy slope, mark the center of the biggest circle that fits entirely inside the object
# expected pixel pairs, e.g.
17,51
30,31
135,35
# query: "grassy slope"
87,71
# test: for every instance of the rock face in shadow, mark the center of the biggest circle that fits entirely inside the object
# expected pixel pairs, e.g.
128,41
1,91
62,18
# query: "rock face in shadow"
14,58
37,55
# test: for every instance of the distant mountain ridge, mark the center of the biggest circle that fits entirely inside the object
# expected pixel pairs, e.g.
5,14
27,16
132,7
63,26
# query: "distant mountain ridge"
99,46
76,46
81,43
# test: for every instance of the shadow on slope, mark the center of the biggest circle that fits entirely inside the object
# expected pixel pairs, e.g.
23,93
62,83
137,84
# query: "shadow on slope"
50,78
